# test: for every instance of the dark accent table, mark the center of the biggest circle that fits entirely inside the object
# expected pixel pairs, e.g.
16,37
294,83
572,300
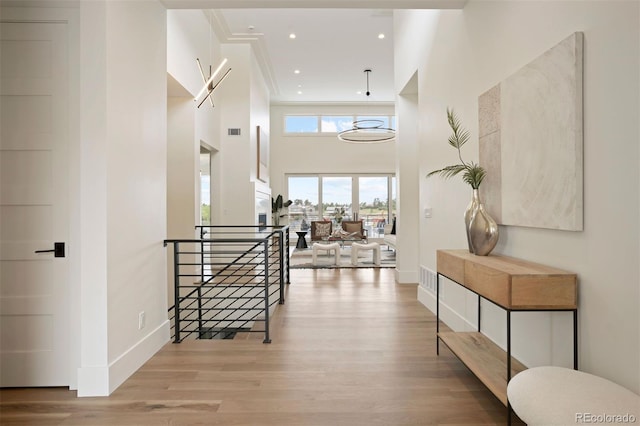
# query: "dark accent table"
302,242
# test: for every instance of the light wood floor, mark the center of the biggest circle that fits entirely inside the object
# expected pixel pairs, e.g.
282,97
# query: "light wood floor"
349,347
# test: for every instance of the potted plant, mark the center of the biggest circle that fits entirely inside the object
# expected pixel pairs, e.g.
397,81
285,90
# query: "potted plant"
277,205
482,230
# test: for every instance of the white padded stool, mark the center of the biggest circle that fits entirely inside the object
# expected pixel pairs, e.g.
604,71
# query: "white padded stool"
374,247
328,247
562,396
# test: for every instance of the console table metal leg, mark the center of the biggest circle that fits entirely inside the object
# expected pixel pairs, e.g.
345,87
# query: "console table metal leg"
437,313
479,303
508,346
575,339
508,363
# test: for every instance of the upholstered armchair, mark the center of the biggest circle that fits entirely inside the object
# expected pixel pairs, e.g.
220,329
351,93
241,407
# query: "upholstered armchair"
320,229
355,228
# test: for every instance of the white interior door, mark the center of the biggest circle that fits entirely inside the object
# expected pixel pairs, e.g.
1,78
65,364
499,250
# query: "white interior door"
34,288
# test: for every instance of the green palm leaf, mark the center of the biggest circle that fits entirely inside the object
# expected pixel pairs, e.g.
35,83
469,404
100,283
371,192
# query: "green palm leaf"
473,173
448,171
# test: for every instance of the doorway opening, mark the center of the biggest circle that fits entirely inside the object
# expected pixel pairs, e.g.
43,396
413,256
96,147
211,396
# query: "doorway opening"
205,185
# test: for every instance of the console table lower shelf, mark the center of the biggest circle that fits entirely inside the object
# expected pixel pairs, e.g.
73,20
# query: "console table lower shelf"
484,358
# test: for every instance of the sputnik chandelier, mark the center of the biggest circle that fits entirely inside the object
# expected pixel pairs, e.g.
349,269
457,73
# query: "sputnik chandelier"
369,130
209,87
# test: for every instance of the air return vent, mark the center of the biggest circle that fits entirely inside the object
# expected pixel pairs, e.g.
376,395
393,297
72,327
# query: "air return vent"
234,132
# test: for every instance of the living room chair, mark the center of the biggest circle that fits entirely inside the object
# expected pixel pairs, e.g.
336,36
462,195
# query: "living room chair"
356,228
320,229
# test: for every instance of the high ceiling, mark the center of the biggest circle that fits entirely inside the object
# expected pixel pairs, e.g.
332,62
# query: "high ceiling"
336,40
325,62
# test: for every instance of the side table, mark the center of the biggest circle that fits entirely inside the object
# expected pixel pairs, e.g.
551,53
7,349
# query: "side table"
302,242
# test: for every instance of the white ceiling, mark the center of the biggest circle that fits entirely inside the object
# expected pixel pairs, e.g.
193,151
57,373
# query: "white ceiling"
336,40
331,50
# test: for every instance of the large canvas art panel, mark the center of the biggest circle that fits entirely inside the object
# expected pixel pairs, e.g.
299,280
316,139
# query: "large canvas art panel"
531,142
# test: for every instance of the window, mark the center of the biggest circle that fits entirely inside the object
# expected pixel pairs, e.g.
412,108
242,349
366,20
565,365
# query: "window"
335,124
337,197
329,124
303,191
370,197
301,124
374,203
205,187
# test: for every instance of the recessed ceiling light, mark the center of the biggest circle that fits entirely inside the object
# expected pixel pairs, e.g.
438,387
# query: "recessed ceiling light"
292,36
299,85
296,71
380,36
359,92
299,92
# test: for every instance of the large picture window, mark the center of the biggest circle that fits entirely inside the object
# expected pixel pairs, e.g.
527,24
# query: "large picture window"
368,197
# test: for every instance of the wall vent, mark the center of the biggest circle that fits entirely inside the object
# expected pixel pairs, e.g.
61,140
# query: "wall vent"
428,279
234,132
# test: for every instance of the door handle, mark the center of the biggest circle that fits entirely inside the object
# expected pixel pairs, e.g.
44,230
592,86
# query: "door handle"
58,250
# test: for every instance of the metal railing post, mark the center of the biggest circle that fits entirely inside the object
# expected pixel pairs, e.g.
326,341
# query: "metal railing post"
200,325
288,259
266,292
202,232
282,265
176,290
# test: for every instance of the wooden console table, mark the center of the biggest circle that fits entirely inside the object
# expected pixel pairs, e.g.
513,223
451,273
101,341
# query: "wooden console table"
514,285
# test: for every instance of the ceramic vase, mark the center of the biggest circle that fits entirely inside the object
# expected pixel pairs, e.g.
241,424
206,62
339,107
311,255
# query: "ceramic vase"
482,230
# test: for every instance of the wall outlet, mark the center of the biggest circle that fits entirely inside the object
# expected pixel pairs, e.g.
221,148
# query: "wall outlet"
141,320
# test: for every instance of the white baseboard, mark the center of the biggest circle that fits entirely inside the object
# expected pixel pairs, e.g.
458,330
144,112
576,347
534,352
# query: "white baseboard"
93,381
130,361
448,315
427,299
103,380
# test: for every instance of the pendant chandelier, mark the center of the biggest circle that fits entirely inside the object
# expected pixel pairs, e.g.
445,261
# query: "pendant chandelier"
209,87
368,130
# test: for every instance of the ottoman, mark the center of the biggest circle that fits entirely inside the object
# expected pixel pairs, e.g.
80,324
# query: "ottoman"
562,396
327,247
357,247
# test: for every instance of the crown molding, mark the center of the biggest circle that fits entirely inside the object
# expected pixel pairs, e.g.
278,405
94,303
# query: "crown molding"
255,40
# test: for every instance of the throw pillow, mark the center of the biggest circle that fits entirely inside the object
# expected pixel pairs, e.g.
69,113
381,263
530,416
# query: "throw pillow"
323,229
352,228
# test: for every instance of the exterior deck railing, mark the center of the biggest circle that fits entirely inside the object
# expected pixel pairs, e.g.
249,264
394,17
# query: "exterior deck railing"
228,281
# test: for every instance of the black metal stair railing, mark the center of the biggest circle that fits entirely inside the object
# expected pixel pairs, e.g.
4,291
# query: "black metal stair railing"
228,281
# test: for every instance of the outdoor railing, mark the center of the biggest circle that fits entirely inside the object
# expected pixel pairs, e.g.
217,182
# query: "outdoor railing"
228,281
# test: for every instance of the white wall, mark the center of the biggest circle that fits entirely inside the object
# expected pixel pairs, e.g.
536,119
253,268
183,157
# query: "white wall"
189,36
407,160
245,99
123,138
461,54
325,154
183,165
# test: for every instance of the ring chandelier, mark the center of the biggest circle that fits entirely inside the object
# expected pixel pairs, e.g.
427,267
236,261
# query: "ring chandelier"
369,130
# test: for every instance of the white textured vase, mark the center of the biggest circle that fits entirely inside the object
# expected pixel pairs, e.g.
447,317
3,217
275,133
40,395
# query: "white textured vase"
482,230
